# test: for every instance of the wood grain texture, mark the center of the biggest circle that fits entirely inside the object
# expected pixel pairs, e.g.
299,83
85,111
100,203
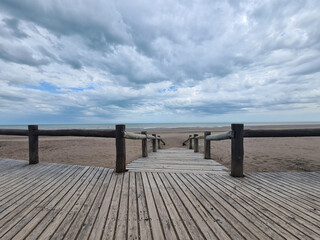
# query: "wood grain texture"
78,202
176,160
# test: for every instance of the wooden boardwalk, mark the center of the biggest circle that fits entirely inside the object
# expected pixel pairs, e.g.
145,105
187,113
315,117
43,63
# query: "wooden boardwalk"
55,201
177,160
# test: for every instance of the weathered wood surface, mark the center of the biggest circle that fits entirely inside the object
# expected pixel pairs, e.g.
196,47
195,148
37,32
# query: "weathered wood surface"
220,136
308,132
176,160
55,201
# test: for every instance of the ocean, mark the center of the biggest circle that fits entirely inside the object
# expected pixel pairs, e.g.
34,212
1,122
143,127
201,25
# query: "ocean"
150,125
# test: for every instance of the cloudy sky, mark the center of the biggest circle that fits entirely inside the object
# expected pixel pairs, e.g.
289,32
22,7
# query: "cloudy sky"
73,61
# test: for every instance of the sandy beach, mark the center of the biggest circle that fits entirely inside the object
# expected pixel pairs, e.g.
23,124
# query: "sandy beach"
261,154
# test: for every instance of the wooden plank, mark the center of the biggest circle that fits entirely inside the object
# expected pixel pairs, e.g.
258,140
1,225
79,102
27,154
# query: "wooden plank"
74,202
186,216
98,228
185,162
27,223
229,212
27,196
20,218
167,226
204,208
122,219
251,209
178,171
292,190
133,227
109,230
143,214
186,167
14,185
290,202
197,219
41,220
179,227
156,228
78,213
89,223
269,206
73,209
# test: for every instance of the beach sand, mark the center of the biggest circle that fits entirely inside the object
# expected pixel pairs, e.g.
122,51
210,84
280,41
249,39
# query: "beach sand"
260,154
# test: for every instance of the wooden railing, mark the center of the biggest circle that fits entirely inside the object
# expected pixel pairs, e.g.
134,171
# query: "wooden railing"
237,134
119,133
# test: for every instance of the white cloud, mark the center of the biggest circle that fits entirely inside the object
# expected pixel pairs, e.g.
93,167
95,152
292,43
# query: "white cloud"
72,61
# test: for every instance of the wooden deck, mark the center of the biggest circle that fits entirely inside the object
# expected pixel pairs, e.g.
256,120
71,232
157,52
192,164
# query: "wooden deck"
58,201
177,160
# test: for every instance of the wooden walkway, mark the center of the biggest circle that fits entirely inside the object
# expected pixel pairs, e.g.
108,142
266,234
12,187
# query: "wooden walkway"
178,160
55,201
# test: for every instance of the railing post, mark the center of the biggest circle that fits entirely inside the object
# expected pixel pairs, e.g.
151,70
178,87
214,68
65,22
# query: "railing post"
120,149
144,145
190,142
196,143
33,144
207,150
154,143
159,143
237,150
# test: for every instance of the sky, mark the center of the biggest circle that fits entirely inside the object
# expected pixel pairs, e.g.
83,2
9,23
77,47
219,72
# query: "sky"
74,61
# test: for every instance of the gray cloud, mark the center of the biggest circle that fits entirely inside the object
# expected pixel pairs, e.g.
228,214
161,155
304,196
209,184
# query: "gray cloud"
120,59
20,55
13,24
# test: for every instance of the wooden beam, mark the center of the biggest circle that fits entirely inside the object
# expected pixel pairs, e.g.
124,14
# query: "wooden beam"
33,144
159,142
154,143
315,132
237,150
207,150
196,143
190,141
144,145
106,133
220,136
120,149
18,132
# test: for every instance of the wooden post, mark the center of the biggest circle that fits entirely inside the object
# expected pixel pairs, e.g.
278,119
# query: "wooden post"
237,150
33,144
207,150
190,142
120,148
144,145
154,143
196,143
159,143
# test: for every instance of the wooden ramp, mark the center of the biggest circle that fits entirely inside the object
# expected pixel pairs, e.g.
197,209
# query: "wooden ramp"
177,160
55,201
